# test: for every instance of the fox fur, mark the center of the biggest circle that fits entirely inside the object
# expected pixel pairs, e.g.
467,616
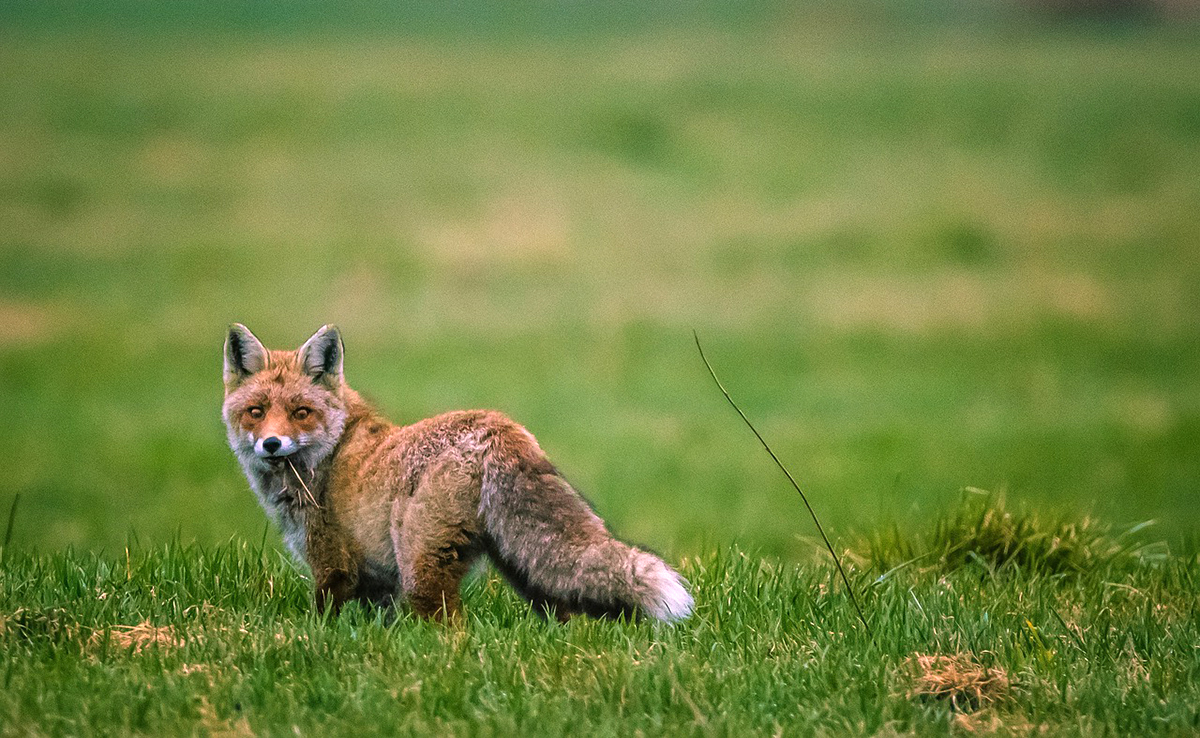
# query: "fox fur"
381,512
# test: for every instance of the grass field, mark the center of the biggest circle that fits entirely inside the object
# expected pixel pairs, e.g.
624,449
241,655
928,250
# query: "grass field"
222,641
923,256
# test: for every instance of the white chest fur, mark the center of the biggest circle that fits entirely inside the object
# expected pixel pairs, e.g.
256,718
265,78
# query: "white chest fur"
281,504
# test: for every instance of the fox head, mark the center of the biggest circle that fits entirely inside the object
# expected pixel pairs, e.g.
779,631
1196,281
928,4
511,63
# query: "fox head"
283,405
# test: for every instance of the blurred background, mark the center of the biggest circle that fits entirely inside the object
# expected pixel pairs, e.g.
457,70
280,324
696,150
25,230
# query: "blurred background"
928,245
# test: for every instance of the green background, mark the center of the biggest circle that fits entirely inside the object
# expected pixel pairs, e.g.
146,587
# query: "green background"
925,247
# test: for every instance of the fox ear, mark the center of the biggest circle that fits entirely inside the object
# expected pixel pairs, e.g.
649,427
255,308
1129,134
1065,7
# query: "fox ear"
322,356
244,355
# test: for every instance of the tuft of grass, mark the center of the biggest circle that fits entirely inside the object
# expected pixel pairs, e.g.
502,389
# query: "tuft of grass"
982,530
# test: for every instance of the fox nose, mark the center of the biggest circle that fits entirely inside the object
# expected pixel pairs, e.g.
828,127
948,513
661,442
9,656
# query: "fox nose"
272,444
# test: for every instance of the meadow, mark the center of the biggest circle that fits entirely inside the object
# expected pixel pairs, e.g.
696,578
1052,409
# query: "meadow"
924,254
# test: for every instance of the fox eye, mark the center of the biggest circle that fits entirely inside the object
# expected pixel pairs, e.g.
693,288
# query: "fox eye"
301,413
255,412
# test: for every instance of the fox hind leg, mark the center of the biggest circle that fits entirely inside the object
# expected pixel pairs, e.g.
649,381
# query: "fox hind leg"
436,542
436,579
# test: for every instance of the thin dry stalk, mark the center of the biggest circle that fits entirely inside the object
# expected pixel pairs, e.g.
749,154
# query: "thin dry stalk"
308,497
12,516
837,562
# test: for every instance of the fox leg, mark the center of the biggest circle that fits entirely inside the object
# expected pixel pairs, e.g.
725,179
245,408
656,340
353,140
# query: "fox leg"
436,539
335,577
334,567
436,578
334,588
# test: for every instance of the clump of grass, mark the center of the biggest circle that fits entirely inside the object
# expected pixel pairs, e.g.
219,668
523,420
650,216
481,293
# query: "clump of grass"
982,530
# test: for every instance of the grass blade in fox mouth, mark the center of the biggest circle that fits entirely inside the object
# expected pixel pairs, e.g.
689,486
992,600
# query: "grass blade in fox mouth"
308,495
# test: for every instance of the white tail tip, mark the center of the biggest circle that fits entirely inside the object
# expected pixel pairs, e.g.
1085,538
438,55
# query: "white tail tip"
670,601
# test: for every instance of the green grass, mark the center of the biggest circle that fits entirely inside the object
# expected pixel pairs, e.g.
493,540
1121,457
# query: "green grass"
926,249
187,639
983,530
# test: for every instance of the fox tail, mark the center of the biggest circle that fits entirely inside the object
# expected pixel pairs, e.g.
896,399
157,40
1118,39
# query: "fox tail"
544,537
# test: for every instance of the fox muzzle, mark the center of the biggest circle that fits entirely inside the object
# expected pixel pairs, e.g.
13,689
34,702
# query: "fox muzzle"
275,447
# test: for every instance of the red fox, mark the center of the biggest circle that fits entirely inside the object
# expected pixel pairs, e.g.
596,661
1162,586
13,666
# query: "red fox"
381,512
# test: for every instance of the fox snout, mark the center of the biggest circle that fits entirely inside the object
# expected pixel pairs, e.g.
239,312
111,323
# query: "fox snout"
275,447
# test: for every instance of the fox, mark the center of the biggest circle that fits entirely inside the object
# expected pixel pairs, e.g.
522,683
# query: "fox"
385,514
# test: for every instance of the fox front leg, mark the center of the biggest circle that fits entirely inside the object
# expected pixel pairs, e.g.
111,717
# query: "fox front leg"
334,587
334,568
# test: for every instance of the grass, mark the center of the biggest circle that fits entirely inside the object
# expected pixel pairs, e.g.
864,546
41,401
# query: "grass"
188,639
983,530
925,249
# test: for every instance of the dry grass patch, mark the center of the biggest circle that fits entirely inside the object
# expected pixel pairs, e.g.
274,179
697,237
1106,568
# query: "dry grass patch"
138,637
957,678
23,323
957,299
